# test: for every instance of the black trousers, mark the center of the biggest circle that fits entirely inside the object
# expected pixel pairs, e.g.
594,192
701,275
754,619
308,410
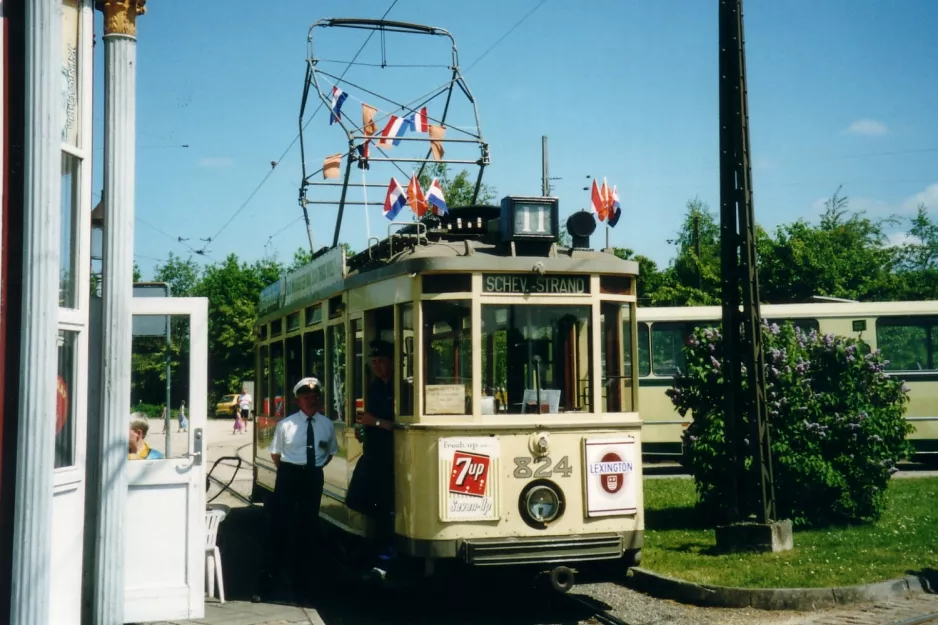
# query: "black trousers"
295,524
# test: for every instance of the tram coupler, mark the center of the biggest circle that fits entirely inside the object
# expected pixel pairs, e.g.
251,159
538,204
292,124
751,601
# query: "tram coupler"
561,578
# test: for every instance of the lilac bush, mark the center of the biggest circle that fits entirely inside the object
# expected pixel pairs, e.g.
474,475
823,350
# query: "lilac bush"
836,424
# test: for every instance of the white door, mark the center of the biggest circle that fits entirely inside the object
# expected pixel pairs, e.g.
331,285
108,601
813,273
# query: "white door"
164,560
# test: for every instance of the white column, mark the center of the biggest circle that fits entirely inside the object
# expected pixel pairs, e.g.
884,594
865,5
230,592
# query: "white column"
119,175
35,452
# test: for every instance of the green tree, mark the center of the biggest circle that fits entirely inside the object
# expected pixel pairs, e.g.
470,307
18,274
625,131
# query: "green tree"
458,189
182,276
232,289
845,255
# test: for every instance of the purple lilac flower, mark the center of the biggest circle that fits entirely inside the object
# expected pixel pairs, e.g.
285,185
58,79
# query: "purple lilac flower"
714,362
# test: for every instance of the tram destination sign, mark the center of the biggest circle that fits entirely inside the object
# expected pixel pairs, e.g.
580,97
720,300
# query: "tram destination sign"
535,285
322,272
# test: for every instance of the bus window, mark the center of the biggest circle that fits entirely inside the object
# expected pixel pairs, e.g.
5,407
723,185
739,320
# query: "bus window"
537,350
616,357
336,378
667,347
277,375
644,353
447,351
405,369
908,343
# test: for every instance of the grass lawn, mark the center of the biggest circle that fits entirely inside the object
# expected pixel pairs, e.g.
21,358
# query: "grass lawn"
905,539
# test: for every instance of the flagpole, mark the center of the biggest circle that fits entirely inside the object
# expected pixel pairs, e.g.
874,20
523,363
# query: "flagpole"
607,236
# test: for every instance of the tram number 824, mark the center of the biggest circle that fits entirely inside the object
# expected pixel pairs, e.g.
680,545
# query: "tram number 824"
523,467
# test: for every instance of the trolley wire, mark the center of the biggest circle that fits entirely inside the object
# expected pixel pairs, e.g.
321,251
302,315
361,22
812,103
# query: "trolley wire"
505,36
293,142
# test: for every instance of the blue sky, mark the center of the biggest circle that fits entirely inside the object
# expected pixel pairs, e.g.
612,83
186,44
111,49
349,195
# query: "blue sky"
840,92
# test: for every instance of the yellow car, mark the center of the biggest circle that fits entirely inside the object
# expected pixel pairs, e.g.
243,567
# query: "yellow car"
227,407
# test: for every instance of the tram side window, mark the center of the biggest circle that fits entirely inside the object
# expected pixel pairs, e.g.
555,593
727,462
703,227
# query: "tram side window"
277,375
447,365
908,343
315,346
537,350
405,369
616,357
358,366
336,378
667,346
264,387
294,370
644,350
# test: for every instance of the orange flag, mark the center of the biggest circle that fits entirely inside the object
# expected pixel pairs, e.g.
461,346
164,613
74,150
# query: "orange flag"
330,167
415,196
436,145
368,119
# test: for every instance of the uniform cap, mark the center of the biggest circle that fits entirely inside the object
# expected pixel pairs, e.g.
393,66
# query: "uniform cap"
306,384
381,348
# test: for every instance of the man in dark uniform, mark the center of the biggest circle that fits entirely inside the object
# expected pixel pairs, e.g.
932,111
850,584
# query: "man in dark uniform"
303,444
371,490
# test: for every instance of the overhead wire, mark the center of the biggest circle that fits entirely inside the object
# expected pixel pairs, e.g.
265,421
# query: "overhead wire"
505,36
293,142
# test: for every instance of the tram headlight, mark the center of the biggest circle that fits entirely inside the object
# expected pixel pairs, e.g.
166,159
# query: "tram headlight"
543,503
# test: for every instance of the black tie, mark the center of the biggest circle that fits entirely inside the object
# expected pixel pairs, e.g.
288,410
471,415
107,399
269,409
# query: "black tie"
310,445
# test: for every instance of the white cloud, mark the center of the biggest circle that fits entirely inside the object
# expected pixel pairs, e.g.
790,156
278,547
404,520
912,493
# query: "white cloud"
867,127
216,161
898,239
928,197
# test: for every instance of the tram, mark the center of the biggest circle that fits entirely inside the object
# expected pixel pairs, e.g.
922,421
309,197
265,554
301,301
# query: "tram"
517,439
905,332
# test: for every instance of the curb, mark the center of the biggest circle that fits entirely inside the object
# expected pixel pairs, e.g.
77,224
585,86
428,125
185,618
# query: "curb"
800,599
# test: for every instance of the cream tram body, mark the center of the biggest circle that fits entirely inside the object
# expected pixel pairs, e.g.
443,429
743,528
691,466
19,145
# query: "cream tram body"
478,469
905,332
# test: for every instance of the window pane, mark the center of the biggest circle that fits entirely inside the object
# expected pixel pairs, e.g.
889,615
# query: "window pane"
294,370
68,277
537,350
406,368
337,372
667,345
644,353
65,401
69,85
907,343
358,381
277,375
447,337
616,357
316,355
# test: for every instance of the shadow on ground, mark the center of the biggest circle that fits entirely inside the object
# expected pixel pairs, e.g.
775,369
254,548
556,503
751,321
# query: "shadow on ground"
454,600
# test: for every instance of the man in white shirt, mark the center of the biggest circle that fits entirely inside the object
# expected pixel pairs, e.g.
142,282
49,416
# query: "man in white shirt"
303,444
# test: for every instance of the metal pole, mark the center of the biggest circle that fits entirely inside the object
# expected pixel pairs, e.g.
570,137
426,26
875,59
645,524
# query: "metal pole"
754,492
169,370
545,175
120,61
31,584
607,236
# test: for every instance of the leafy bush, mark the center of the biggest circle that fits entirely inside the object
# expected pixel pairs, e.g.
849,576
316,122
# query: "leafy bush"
836,424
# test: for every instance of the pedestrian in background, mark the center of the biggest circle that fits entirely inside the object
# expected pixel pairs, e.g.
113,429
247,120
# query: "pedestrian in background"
183,421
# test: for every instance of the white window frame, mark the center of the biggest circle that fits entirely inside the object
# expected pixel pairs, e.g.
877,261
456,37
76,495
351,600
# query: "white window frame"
76,319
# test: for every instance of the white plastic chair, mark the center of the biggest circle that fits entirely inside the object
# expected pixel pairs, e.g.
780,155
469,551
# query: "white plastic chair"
213,519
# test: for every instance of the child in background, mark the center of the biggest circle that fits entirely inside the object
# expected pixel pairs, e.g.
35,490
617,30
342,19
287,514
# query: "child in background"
183,421
238,424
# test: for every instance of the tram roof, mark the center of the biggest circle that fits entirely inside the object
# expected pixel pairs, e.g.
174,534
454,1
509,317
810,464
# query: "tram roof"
462,242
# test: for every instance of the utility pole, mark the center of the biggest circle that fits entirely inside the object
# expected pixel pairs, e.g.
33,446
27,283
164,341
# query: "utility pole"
697,250
754,493
545,168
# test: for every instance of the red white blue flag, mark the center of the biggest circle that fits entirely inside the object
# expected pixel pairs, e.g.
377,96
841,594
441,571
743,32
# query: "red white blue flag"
418,121
615,209
395,200
338,98
598,202
393,132
436,199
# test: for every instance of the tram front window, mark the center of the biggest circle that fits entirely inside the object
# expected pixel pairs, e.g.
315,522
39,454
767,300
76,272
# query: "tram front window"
447,332
531,352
